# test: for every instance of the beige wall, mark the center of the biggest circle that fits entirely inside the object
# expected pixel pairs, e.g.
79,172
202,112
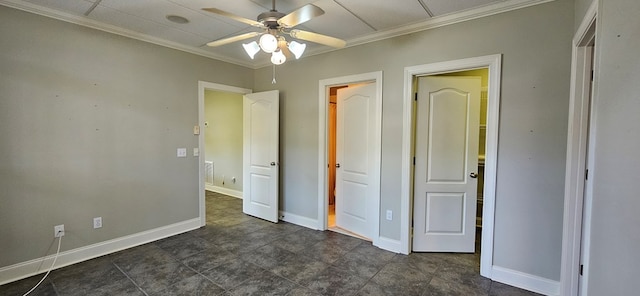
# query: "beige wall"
89,126
535,43
223,137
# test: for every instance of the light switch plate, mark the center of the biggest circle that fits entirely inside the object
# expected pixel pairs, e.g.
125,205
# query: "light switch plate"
196,152
182,152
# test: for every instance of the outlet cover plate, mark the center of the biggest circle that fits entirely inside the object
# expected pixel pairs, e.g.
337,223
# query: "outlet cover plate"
97,222
58,230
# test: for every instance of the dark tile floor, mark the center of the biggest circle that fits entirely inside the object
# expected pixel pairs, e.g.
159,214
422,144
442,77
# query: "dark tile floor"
236,254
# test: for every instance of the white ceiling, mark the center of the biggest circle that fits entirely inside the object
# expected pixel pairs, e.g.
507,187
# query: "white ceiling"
356,21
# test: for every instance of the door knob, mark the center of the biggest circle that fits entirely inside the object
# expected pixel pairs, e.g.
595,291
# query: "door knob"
473,175
337,165
273,163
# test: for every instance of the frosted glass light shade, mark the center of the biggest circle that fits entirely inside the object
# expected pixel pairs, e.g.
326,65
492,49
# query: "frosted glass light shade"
268,43
297,48
251,48
278,58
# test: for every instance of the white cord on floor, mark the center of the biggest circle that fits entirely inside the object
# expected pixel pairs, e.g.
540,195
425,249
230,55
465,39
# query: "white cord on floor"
50,268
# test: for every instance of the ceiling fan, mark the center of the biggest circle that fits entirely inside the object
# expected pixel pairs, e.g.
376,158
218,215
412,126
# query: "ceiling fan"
274,25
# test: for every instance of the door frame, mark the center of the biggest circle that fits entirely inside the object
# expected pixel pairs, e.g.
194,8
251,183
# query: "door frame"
493,63
580,141
323,113
202,86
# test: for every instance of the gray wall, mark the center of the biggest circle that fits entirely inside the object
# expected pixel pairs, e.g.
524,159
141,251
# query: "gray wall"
536,48
89,126
223,137
581,7
615,238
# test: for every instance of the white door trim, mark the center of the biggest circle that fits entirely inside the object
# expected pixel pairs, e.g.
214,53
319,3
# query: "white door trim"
493,63
577,197
323,107
202,86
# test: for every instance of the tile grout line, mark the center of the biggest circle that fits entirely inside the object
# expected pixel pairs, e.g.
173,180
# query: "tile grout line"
130,279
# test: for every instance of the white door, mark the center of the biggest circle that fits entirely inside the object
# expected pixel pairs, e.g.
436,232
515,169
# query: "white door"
355,159
446,163
260,155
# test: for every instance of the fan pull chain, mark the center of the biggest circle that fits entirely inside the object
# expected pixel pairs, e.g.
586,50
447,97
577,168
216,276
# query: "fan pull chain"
274,75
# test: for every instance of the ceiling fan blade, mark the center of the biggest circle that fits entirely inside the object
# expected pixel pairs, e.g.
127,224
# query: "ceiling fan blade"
318,38
232,39
235,17
300,16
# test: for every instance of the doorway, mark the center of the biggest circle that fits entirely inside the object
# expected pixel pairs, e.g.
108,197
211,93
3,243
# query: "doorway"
351,172
331,153
371,188
493,64
223,142
204,86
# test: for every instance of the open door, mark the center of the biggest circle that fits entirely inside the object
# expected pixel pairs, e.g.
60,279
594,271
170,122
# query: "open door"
446,163
260,155
357,180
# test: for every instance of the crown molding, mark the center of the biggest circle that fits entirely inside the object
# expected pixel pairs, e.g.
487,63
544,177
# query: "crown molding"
434,22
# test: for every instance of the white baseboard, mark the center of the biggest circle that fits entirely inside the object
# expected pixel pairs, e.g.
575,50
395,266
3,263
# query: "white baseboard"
299,220
525,281
388,244
32,267
227,191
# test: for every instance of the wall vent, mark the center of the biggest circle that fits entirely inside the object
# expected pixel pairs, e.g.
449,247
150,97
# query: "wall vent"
208,172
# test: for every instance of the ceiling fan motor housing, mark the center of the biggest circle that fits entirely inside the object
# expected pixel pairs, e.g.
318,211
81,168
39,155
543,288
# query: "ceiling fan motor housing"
270,18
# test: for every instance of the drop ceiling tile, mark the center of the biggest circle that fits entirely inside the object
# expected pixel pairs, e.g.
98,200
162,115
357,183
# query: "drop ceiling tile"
117,18
440,7
203,24
385,14
347,27
244,8
76,7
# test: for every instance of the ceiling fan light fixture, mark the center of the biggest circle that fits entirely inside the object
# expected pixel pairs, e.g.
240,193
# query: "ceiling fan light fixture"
251,48
268,43
278,58
297,48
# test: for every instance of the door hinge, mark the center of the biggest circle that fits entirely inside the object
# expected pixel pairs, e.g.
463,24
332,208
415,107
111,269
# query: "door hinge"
581,268
586,174
592,75
414,160
415,96
411,223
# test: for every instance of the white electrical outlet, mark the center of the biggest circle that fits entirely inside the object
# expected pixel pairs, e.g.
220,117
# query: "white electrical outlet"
97,222
389,215
233,180
58,230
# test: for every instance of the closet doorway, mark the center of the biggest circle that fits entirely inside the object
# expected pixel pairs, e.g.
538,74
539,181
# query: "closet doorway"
493,64
351,169
349,160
